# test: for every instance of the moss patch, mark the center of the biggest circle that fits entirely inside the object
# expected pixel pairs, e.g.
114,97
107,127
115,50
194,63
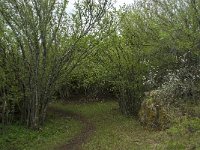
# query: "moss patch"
153,115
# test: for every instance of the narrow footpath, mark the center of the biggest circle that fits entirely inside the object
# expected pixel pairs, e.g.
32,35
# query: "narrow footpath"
76,142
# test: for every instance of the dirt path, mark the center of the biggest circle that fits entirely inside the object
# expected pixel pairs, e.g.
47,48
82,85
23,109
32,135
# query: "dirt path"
82,137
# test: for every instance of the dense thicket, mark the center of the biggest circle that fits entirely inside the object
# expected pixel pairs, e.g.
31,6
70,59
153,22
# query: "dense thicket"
146,46
155,47
165,35
40,43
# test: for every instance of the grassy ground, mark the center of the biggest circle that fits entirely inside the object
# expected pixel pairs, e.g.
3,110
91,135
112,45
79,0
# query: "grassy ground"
117,132
56,131
113,132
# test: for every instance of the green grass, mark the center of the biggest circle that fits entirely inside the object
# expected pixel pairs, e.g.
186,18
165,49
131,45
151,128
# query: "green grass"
117,132
113,132
57,130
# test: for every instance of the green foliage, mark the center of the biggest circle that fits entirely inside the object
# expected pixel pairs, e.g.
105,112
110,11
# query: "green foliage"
96,51
151,41
160,39
41,43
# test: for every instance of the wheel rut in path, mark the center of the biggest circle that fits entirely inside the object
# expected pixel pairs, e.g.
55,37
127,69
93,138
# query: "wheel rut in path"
76,142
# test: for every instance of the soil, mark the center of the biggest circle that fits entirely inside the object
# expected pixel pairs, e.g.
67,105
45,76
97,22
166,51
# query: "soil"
76,142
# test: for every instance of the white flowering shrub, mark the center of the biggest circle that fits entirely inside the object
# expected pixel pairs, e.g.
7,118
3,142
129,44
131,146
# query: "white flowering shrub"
181,84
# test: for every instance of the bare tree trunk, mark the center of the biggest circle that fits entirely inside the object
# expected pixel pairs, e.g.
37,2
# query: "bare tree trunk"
4,112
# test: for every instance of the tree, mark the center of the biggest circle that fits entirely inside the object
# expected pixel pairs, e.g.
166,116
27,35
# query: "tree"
46,42
165,34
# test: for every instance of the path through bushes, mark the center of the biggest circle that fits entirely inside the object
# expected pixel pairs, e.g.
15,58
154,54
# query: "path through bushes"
104,127
76,142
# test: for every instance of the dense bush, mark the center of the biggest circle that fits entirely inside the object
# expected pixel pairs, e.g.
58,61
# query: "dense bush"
39,44
180,85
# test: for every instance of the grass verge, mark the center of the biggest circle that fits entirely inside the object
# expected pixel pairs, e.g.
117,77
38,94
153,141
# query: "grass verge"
57,130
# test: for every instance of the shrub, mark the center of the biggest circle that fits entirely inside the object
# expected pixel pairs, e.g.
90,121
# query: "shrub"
153,114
